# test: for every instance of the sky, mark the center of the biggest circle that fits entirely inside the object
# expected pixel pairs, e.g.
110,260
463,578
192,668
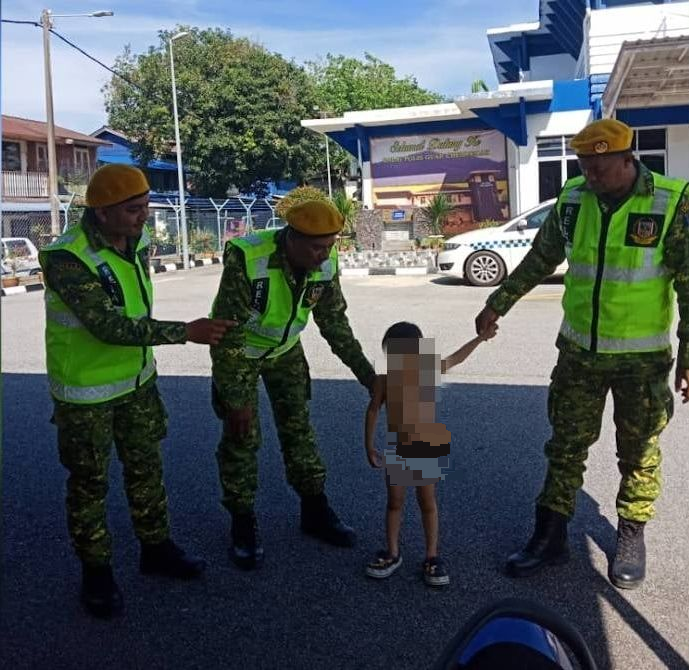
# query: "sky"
440,42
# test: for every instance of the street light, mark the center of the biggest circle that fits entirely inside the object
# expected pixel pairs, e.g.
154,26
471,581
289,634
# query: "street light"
180,170
324,115
47,23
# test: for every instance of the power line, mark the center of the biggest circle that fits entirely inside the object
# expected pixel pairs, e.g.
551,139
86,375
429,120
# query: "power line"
95,60
80,50
30,23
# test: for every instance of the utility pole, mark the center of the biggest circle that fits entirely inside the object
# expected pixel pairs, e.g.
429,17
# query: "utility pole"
47,24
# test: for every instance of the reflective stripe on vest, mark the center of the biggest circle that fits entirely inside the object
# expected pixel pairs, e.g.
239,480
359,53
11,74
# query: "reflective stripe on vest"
661,341
277,328
95,394
618,299
81,367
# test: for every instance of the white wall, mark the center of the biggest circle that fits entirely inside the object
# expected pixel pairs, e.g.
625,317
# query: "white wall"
678,151
610,27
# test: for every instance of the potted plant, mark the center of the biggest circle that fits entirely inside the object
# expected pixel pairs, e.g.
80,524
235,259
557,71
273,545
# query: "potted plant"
9,269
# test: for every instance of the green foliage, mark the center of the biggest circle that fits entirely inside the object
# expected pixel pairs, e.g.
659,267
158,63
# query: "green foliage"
297,195
348,208
344,84
489,223
436,212
240,108
202,241
479,86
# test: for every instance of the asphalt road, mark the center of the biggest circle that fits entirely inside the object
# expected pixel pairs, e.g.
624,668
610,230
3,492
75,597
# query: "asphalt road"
311,606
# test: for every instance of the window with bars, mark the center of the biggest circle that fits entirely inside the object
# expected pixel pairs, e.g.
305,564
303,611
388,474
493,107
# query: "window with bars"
650,147
556,164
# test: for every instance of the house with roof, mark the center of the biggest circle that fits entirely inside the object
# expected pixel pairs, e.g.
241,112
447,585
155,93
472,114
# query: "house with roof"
25,190
161,173
501,152
25,159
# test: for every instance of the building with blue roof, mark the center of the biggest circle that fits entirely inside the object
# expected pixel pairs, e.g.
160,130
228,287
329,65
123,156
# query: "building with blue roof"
498,153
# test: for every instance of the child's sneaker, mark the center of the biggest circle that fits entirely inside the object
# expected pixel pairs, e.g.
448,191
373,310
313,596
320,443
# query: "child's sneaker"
383,565
434,573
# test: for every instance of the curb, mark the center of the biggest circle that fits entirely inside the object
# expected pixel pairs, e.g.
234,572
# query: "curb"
204,262
25,288
403,272
173,267
157,269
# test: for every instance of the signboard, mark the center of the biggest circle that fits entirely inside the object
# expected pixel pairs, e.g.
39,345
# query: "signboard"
468,167
398,215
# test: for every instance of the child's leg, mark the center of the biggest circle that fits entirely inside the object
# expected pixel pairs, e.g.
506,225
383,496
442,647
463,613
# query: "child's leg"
393,517
425,495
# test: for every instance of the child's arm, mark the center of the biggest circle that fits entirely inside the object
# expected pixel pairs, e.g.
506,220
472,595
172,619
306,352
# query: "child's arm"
370,428
465,351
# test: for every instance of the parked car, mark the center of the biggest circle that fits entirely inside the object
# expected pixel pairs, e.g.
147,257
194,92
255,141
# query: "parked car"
19,256
485,257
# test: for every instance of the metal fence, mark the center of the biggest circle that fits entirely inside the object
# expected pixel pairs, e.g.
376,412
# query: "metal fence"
210,223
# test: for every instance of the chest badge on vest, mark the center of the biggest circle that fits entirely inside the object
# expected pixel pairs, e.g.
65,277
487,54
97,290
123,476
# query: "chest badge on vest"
643,230
313,294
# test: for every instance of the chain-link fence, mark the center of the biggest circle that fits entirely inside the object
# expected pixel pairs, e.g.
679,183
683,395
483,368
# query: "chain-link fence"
210,223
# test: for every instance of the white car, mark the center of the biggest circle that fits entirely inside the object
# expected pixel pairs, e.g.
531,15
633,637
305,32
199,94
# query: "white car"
19,256
485,257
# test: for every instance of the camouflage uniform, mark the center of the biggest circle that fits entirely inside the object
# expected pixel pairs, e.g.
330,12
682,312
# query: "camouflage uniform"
286,378
581,380
135,422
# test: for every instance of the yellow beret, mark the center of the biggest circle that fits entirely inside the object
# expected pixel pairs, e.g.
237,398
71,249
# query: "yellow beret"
113,184
607,136
315,217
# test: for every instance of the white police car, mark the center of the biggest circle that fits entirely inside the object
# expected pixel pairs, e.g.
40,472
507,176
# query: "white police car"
484,257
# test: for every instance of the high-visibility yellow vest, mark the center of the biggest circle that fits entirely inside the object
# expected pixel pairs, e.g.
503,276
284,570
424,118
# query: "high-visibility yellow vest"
83,369
618,294
277,315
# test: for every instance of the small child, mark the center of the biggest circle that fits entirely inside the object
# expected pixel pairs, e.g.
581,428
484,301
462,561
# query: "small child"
418,442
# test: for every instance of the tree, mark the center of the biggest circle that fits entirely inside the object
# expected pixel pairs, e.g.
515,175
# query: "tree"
436,213
240,108
298,195
344,84
348,208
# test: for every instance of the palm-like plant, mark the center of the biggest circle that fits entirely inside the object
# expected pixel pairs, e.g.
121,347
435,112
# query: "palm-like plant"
348,208
479,86
436,212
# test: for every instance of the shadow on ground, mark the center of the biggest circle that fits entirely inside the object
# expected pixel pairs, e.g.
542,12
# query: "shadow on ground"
310,607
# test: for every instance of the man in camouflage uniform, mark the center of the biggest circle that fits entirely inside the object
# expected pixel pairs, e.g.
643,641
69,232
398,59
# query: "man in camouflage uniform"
625,233
272,282
101,371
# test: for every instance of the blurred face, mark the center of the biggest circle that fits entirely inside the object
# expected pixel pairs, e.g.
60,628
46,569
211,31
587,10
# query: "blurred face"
608,175
124,220
308,253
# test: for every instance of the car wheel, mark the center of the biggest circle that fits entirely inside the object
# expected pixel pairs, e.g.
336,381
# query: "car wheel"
484,268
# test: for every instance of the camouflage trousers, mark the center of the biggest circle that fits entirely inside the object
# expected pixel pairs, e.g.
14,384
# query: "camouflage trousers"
86,433
288,384
643,406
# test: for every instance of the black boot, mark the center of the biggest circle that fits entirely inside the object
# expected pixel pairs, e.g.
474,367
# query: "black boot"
547,546
99,592
628,568
246,550
168,560
319,520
